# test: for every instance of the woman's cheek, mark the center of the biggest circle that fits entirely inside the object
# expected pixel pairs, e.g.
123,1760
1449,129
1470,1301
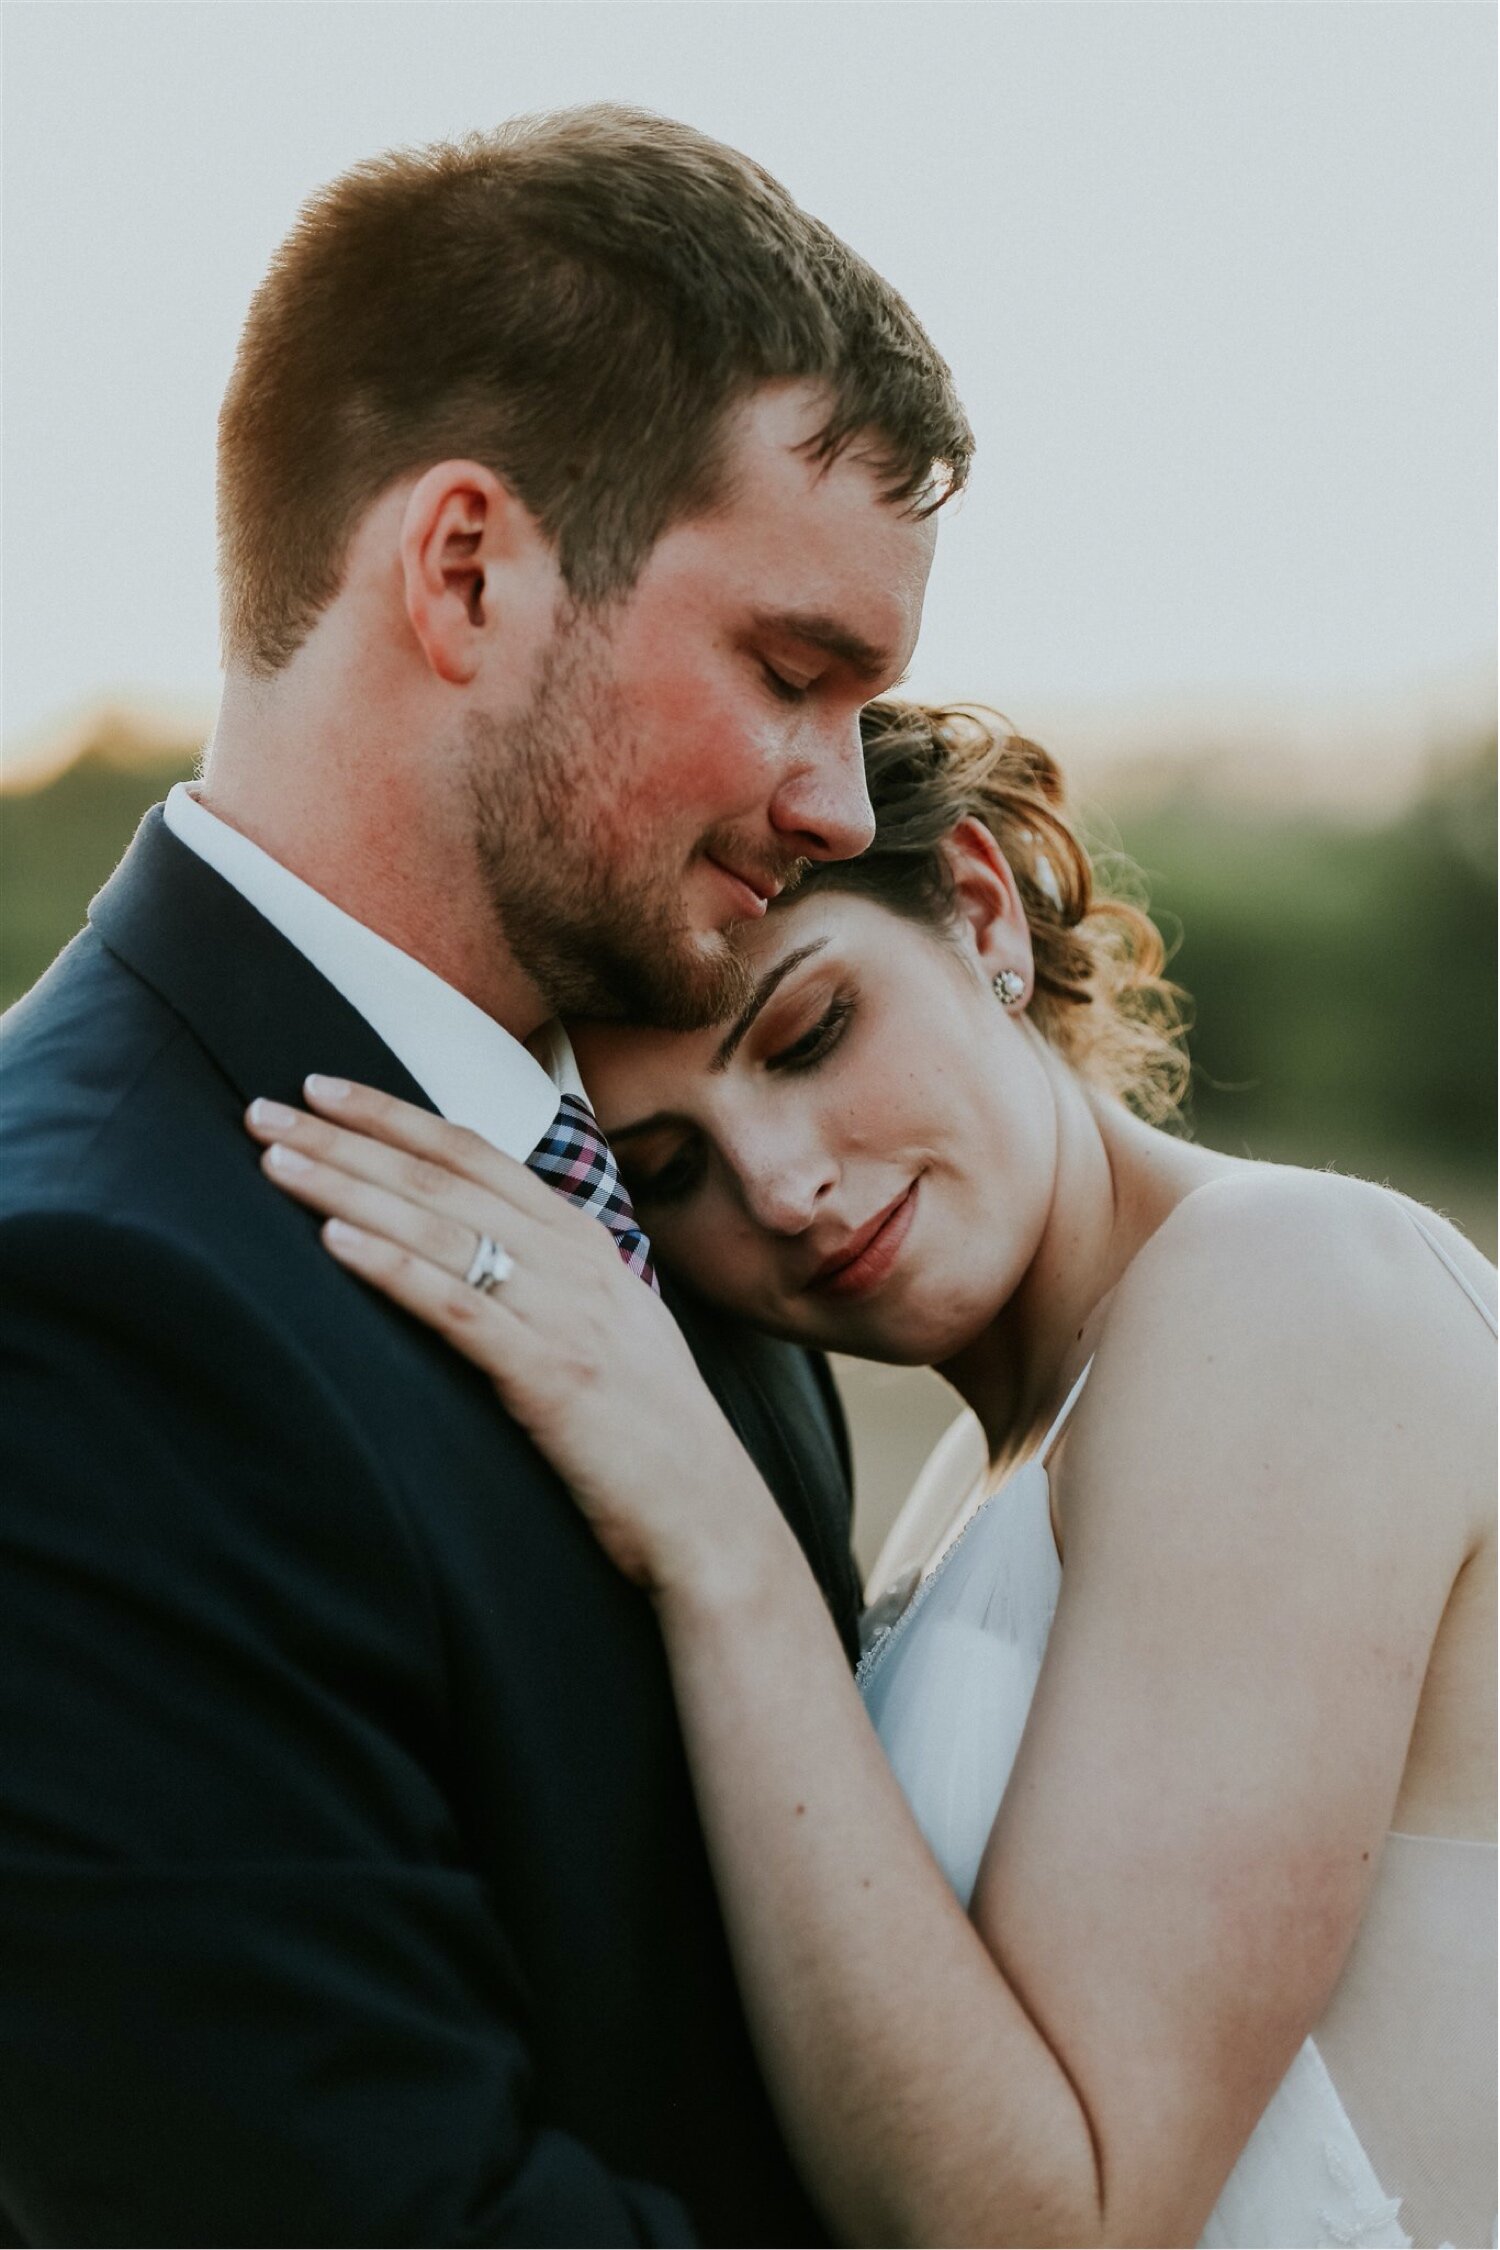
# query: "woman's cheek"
747,1274
706,1250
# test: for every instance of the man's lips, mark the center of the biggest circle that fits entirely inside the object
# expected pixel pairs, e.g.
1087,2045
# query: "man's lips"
755,890
865,1257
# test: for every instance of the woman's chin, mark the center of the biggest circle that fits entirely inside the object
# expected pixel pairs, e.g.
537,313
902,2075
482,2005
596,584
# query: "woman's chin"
902,1335
947,1320
898,1332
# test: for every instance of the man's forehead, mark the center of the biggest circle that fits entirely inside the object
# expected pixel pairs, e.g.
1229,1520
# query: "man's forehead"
844,589
842,571
780,418
791,541
771,462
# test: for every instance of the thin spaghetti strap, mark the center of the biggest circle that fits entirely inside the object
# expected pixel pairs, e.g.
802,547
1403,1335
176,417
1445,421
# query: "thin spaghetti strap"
1068,1405
1459,1276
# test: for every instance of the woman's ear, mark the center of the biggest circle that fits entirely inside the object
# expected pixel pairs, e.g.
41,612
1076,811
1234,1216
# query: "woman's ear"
476,569
991,918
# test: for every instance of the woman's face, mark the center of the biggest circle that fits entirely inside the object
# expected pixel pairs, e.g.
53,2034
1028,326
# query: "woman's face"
864,1159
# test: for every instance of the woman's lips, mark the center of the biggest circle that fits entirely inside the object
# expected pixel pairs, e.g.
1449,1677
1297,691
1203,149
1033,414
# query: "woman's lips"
870,1264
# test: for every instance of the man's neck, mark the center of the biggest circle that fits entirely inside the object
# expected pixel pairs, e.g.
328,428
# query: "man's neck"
355,829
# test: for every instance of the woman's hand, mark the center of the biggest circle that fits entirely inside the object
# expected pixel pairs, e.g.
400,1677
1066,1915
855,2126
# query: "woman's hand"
582,1352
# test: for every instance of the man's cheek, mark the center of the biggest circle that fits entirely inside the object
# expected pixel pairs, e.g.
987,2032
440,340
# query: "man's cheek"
709,754
689,706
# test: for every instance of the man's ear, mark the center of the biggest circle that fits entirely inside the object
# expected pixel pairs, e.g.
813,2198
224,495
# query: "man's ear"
475,567
992,919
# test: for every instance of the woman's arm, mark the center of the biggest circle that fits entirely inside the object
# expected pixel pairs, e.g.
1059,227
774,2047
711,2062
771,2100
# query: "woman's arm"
1278,1470
921,2100
1185,1848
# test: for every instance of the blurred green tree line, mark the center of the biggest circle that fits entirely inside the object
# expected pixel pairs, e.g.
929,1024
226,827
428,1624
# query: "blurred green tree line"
1342,978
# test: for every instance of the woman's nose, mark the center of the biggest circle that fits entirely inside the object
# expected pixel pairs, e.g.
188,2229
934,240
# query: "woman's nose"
783,1191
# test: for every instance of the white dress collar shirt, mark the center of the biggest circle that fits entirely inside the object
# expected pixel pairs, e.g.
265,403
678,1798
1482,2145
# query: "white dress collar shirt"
471,1070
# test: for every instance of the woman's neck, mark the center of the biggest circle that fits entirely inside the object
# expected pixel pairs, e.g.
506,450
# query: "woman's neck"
1114,1181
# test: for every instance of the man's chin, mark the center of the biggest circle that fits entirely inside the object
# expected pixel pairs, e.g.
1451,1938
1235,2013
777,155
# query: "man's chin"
690,986
679,982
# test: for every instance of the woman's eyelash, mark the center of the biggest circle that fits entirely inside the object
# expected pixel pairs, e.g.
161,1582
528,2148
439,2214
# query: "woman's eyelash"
820,1041
683,1174
678,1178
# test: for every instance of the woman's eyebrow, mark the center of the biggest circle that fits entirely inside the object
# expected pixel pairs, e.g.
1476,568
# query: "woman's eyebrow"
730,1042
762,993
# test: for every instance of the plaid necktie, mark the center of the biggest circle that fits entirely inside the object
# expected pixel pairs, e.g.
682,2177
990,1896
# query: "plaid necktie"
573,1157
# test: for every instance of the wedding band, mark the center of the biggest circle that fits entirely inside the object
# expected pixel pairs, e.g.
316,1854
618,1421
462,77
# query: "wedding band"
489,1266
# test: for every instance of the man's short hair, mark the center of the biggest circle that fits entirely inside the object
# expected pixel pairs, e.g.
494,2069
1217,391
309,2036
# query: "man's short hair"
576,301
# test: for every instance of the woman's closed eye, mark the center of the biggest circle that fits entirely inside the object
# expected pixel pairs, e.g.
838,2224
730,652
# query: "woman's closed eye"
816,1044
671,1181
683,1168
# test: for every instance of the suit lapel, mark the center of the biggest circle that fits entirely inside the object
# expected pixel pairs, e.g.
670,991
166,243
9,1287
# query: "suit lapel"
252,1001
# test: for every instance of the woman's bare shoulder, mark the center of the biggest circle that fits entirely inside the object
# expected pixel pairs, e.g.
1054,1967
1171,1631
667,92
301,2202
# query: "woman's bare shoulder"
1471,1262
1297,1320
1271,1236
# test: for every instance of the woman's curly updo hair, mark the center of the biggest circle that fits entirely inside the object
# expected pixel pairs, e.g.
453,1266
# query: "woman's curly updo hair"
1100,996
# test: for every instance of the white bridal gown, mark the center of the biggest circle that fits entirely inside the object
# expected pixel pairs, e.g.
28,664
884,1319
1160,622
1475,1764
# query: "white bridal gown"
1383,2130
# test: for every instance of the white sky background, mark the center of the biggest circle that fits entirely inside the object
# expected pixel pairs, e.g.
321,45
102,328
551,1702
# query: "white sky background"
1216,280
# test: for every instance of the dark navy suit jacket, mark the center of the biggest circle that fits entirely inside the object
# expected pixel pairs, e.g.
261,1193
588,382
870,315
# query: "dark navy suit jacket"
351,1888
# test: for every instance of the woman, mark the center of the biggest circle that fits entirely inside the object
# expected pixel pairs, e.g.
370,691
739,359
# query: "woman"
1157,1904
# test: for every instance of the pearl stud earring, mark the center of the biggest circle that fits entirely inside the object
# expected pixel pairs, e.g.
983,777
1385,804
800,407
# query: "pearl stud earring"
1010,988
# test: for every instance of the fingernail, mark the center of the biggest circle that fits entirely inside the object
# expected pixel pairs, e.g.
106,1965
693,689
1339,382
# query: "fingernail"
284,1159
340,1236
274,1116
319,1089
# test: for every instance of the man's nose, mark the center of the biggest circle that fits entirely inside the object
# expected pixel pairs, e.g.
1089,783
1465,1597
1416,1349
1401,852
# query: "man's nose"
822,807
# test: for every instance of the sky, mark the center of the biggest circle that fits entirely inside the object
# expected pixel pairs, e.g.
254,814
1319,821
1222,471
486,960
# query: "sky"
1216,279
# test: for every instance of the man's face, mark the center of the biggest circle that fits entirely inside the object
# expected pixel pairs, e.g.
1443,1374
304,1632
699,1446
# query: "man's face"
686,748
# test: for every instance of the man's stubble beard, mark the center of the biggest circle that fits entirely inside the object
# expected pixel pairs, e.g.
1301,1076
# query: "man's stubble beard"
600,932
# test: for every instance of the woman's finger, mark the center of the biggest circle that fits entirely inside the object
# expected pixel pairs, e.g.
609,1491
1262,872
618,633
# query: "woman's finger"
423,1181
445,1236
421,1134
478,1323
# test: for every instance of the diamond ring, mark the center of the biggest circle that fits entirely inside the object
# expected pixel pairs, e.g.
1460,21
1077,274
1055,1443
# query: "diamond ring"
489,1266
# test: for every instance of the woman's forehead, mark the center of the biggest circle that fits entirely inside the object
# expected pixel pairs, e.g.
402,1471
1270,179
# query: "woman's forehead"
628,1069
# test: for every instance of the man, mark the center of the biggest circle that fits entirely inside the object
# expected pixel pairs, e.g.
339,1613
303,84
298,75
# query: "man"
576,490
